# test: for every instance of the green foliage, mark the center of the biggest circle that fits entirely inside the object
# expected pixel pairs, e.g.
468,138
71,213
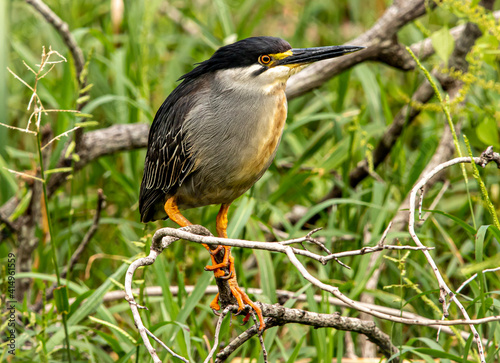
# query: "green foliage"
331,129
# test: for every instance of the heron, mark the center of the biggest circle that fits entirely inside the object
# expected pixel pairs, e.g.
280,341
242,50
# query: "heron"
217,133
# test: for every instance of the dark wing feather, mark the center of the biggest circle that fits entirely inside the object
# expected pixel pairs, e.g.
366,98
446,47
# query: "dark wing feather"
168,159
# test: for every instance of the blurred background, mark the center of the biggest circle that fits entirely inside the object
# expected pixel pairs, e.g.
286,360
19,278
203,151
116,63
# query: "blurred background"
136,51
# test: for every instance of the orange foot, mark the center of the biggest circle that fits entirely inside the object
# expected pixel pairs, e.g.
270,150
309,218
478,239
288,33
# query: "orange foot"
241,297
217,267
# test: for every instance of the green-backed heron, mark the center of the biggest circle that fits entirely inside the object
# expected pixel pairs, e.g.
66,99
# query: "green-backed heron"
217,133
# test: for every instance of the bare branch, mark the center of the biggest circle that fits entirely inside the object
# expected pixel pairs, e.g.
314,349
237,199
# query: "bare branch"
280,316
155,251
261,337
283,295
166,236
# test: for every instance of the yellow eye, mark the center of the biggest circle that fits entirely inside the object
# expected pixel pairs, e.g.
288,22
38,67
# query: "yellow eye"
265,59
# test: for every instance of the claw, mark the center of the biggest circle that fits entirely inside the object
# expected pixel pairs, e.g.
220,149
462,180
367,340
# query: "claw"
246,319
226,277
221,274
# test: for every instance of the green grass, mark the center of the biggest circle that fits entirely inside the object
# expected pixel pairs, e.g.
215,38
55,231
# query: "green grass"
329,129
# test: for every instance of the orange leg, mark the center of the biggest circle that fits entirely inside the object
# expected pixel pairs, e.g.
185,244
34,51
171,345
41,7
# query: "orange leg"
221,223
175,215
228,261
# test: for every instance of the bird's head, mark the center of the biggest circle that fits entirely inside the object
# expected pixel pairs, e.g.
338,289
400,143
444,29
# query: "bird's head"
264,61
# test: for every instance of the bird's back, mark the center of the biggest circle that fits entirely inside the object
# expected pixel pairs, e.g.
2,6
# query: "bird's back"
168,158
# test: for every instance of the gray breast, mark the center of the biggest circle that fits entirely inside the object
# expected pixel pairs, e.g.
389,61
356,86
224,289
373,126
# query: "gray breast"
237,131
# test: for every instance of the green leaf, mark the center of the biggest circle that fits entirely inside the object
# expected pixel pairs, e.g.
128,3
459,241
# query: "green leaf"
111,340
487,131
58,170
61,299
491,262
457,220
126,357
296,350
443,44
22,206
114,327
267,275
82,99
397,334
468,344
440,354
240,217
87,123
194,298
76,304
496,232
224,14
481,233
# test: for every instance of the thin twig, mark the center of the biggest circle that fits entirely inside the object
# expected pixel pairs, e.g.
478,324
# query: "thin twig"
261,337
222,315
171,234
175,355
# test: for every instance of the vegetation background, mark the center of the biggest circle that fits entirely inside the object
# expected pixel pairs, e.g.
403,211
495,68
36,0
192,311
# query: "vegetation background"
136,54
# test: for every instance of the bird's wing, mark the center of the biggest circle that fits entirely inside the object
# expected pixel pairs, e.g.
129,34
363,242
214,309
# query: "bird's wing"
168,159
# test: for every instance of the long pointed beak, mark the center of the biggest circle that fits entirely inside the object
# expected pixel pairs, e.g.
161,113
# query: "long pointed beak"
302,56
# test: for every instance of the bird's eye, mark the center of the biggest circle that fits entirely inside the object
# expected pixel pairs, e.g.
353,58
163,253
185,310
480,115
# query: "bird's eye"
265,59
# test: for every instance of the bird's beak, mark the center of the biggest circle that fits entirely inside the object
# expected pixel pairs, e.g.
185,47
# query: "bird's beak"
303,56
